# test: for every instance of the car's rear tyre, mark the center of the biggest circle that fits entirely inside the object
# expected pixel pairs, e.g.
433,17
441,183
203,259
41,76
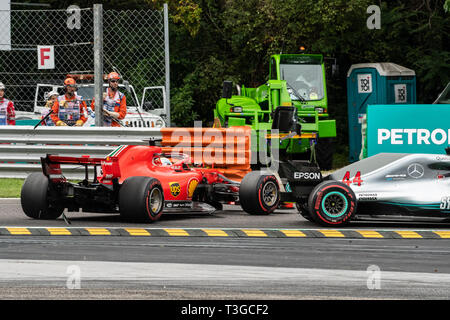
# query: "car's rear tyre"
34,198
141,198
332,204
259,193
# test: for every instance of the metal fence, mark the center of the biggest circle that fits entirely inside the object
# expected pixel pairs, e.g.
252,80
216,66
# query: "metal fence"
135,43
30,29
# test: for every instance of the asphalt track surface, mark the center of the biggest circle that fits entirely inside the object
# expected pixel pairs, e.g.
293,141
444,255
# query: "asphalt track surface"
114,267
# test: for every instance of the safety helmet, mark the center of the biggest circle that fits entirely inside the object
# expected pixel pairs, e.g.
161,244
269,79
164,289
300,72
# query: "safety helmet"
51,93
2,86
70,82
113,76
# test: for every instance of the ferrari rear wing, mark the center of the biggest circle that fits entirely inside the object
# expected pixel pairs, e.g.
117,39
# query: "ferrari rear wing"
83,160
51,166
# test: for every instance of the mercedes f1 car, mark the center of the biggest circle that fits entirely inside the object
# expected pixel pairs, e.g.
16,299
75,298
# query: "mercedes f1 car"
139,182
394,185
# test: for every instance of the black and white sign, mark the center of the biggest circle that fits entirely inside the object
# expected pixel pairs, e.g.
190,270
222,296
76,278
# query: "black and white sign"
400,93
365,83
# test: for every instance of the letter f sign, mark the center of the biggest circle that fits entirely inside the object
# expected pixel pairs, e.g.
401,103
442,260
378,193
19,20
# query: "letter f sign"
46,57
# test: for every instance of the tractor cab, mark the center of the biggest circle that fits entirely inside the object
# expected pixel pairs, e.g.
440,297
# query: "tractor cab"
304,76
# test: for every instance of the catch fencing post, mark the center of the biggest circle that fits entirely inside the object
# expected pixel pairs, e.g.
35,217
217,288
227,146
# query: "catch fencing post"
167,61
98,64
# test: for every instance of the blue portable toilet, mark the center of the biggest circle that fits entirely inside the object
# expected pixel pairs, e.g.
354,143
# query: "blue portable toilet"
375,83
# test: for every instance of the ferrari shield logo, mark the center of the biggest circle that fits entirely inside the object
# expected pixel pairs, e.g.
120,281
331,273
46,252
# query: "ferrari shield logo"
175,188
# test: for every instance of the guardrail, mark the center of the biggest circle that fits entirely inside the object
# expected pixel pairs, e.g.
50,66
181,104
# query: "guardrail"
21,147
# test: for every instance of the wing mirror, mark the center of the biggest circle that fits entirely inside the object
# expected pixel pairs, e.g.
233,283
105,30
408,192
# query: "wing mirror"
227,89
127,85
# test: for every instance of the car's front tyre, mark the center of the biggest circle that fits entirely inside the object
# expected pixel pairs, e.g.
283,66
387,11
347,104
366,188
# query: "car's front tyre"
332,204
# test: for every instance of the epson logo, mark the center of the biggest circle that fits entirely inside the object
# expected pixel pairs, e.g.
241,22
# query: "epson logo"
414,136
307,175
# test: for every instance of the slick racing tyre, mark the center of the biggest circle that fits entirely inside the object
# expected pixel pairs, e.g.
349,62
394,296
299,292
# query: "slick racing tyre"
34,198
141,198
259,193
332,203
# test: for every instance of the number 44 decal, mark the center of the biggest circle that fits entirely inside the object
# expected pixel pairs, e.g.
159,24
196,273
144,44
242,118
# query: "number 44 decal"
356,180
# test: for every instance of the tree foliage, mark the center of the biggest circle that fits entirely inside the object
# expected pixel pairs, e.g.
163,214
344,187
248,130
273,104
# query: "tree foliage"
235,39
216,40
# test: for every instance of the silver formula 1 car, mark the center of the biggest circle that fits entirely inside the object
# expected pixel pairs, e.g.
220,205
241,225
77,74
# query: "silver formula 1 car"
394,185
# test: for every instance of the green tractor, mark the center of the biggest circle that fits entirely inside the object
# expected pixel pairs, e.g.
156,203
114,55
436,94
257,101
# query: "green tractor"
294,80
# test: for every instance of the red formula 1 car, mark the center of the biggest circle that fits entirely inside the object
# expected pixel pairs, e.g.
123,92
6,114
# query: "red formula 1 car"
139,182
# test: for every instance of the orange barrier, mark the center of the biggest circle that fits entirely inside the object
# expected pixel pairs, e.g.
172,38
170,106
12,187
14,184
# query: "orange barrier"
225,149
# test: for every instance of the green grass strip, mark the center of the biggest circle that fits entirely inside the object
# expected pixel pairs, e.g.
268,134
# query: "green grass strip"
10,188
